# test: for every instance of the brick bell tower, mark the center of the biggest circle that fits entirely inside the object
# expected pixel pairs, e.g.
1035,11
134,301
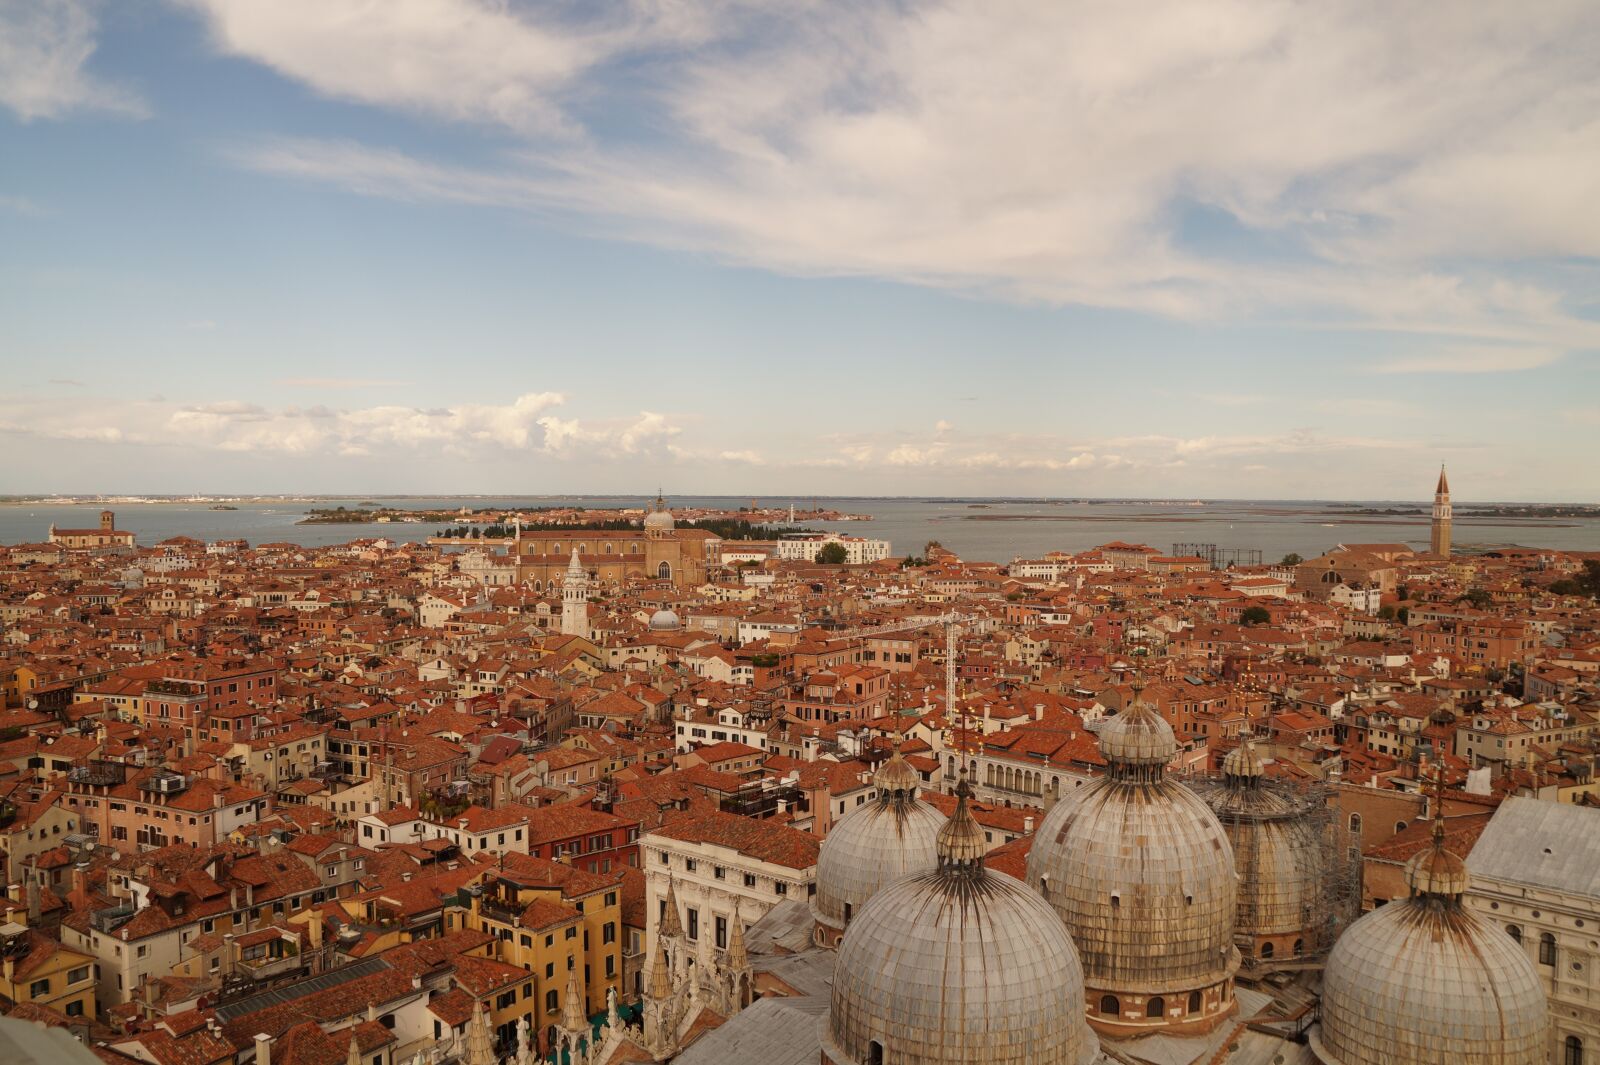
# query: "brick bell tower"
1439,542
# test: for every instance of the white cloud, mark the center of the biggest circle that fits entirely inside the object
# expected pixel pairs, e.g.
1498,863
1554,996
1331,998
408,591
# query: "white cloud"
21,205
1036,151
1474,360
340,382
45,46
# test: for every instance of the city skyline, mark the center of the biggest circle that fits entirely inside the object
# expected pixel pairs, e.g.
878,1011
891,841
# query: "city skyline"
512,248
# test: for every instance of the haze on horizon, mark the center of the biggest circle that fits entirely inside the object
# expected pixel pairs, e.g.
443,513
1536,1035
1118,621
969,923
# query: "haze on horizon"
1197,250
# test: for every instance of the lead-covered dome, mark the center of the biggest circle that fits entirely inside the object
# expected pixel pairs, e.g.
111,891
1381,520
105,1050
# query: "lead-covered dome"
957,965
659,519
1141,872
894,835
665,620
1275,829
1424,981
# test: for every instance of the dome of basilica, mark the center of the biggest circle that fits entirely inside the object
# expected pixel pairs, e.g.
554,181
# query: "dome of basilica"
957,965
660,518
665,620
1278,852
1141,872
893,835
1425,981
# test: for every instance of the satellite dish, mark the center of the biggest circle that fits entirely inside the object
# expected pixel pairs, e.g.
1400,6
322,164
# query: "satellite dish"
33,704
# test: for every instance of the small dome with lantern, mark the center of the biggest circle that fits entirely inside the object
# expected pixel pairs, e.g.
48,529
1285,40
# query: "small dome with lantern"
893,835
1425,981
956,965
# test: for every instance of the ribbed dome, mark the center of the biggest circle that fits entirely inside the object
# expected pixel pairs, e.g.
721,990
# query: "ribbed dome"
1277,850
660,519
869,848
956,966
1142,874
1425,982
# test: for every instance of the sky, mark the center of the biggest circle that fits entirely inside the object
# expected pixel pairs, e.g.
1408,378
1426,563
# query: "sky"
1188,249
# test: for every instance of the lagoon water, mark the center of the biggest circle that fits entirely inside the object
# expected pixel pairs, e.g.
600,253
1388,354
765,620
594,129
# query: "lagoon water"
991,529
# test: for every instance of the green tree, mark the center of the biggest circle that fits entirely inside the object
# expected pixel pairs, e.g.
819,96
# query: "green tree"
832,555
1255,615
1477,597
1386,612
1291,559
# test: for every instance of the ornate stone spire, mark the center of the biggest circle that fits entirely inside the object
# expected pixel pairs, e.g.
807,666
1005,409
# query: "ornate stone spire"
354,1056
480,1050
572,1018
671,922
660,977
574,565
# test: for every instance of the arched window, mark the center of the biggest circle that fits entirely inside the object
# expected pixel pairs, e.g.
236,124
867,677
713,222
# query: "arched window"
555,548
538,586
633,549
1197,1002
1299,947
610,548
1399,826
664,571
1266,950
583,549
1572,1051
551,1001
848,910
1156,1007
1109,1005
1355,823
1547,949
1514,932
874,1053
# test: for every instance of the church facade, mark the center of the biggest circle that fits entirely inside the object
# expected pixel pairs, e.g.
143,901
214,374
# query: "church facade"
659,551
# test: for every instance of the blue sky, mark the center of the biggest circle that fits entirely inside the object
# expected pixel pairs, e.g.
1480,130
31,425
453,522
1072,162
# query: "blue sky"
1266,250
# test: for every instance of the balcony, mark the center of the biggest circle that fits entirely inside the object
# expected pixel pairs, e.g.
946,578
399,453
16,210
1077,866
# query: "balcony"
98,774
267,967
111,917
500,910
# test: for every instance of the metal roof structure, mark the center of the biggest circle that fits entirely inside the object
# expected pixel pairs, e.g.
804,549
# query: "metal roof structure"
770,1031
1543,844
300,988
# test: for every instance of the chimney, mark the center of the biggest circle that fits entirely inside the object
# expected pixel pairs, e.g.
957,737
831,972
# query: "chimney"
80,885
314,931
35,906
263,1049
1027,826
227,954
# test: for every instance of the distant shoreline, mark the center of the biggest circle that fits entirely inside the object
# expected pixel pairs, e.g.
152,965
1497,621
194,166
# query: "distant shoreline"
1531,523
